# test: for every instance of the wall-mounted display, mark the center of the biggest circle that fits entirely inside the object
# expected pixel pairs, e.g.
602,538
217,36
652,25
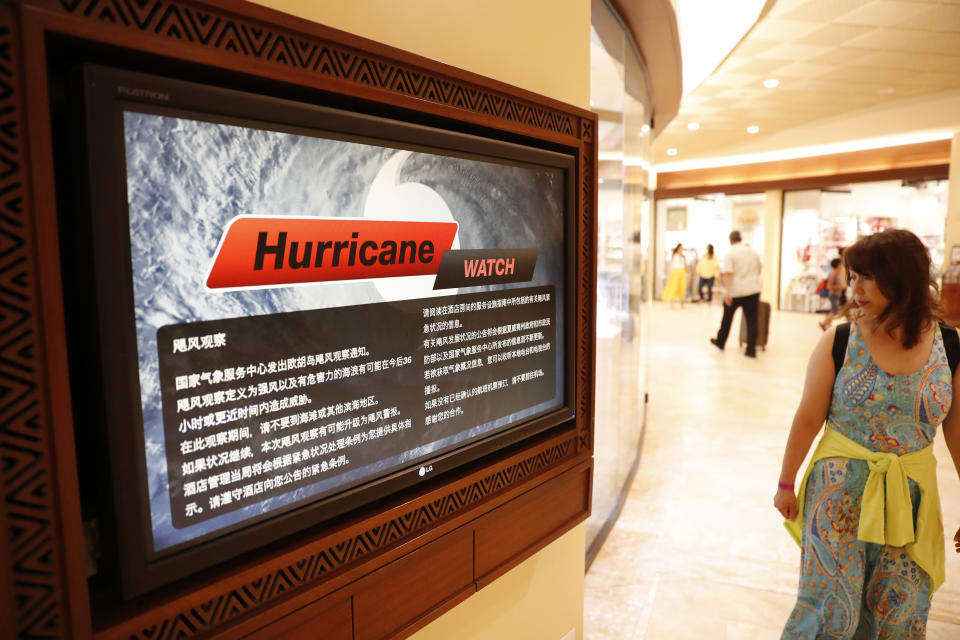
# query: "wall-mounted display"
747,216
676,218
301,309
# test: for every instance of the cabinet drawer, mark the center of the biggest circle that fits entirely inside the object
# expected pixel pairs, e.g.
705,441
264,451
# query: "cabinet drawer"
505,534
398,595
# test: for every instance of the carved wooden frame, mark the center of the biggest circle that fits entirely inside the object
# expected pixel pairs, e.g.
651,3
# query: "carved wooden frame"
42,578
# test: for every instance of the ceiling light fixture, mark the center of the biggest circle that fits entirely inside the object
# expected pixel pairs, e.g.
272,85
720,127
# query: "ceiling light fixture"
771,83
693,126
753,129
645,128
671,151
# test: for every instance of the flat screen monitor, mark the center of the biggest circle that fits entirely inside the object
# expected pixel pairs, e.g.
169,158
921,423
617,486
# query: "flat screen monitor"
302,309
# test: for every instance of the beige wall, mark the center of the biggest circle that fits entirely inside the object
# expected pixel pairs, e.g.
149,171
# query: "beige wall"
542,46
539,45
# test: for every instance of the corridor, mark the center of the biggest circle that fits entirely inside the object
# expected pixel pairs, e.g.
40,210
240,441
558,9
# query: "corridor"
699,553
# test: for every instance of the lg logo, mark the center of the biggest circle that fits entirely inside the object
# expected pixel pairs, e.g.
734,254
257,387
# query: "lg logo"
425,470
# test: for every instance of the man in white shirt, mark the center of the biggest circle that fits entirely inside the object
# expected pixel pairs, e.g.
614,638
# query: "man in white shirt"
740,275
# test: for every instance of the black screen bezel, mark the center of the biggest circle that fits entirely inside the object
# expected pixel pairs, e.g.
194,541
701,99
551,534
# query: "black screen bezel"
107,92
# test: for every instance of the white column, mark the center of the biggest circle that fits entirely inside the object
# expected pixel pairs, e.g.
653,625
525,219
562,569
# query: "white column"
772,222
951,232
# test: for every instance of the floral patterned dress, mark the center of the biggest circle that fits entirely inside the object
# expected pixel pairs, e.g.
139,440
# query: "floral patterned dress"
851,589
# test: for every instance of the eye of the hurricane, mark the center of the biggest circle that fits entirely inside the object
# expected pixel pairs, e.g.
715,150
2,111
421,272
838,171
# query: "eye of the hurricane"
388,199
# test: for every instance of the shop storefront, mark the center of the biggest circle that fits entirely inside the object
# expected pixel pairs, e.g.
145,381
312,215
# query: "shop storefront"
698,221
819,223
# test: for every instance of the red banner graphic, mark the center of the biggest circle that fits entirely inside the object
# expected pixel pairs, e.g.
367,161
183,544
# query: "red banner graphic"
268,252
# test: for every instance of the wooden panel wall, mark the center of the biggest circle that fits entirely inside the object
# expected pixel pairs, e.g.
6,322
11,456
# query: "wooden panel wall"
926,160
330,580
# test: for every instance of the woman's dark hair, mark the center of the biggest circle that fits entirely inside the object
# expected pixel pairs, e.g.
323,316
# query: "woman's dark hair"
835,263
677,248
899,263
710,250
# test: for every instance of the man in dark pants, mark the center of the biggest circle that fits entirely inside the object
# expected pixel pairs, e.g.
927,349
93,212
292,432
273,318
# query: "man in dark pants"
740,275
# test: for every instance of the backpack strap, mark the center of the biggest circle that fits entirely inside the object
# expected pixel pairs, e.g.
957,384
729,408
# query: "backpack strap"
951,344
840,339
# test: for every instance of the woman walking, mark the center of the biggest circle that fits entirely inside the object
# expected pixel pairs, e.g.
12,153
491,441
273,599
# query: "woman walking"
676,287
868,515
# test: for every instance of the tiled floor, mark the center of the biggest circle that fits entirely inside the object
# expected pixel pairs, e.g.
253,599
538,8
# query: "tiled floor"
699,552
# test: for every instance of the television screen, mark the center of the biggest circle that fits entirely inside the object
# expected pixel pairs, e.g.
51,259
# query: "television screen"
302,309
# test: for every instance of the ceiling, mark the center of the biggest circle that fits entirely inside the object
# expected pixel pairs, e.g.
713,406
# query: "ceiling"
848,70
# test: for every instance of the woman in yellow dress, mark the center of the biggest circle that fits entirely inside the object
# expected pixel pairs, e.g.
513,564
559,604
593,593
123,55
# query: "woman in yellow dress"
676,288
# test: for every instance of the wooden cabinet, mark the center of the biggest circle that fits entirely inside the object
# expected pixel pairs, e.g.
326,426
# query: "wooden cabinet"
420,585
406,594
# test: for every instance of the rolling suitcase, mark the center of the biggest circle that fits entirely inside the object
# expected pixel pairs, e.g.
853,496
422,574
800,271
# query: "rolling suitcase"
763,325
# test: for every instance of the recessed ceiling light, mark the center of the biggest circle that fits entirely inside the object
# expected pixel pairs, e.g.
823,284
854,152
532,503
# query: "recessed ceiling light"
592,103
693,126
645,128
671,151
771,83
753,128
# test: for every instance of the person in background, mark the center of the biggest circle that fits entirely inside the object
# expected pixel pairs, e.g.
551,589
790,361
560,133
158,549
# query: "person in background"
676,288
692,261
867,516
740,275
836,286
707,270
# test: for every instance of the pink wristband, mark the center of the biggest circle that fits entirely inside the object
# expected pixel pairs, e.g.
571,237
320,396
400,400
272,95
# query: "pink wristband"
785,485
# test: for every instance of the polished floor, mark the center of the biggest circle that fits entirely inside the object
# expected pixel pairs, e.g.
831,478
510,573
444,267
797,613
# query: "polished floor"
699,553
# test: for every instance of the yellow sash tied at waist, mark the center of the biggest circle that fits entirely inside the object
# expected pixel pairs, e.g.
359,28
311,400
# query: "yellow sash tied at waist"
886,510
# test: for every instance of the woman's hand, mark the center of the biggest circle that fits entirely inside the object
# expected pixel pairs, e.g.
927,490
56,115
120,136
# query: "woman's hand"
786,503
